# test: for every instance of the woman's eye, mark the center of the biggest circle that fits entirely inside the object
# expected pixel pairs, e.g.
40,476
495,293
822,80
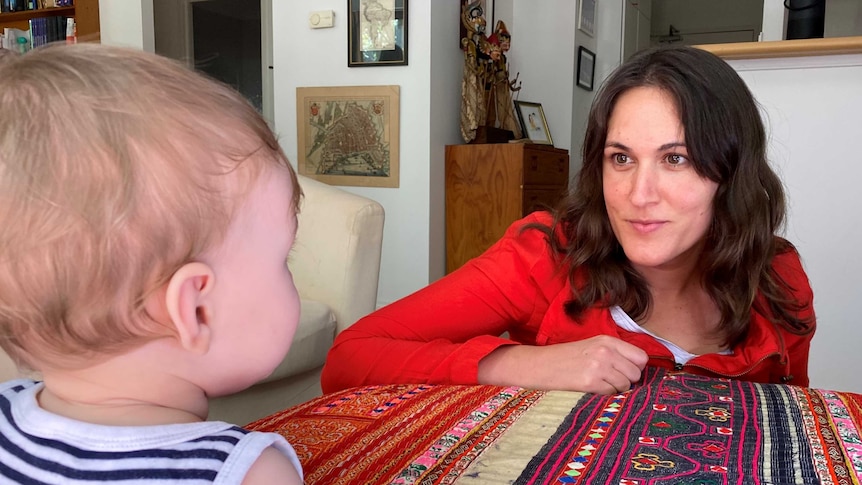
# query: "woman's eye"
620,159
676,160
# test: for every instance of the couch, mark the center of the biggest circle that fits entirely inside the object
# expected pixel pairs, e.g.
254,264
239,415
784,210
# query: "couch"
335,264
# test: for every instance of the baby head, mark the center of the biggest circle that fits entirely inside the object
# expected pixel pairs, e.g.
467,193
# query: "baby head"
124,178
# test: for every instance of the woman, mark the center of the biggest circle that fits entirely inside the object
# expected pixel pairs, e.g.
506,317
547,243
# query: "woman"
665,254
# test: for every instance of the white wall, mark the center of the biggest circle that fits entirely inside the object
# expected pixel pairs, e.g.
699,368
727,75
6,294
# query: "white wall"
814,117
414,242
543,51
429,107
127,23
444,105
774,20
545,41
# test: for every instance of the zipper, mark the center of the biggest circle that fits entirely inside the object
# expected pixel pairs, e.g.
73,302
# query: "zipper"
677,366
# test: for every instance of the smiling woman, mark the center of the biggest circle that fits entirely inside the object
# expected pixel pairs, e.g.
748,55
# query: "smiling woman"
659,206
665,254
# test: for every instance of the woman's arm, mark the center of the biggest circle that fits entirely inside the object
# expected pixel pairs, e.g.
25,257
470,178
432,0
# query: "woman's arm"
441,332
789,267
797,353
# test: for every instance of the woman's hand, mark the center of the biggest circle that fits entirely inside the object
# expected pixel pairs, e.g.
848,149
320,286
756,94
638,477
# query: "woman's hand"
601,364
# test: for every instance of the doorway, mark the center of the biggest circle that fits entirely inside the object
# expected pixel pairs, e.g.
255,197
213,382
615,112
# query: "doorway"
229,40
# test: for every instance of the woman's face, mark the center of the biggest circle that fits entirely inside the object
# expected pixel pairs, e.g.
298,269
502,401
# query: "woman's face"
659,208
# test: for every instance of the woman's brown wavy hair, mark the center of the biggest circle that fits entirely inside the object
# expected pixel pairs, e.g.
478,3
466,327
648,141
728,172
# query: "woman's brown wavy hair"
726,142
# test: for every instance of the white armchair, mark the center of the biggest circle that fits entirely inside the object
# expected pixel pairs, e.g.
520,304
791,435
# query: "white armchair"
336,265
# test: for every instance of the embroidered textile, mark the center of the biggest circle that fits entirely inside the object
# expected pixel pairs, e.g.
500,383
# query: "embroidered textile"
672,428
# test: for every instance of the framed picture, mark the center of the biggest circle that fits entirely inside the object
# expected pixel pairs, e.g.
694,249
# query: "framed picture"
348,135
586,68
587,17
474,8
377,33
534,126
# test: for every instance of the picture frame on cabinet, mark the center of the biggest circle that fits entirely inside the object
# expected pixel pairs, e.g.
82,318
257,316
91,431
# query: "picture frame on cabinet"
376,33
534,126
587,17
586,68
349,135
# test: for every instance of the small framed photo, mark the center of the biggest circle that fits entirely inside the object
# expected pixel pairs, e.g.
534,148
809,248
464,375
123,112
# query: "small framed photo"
587,17
533,122
586,68
377,33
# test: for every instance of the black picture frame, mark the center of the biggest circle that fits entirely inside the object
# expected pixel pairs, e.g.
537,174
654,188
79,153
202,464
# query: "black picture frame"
372,38
586,68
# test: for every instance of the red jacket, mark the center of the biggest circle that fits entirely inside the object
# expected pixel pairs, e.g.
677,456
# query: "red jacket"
440,333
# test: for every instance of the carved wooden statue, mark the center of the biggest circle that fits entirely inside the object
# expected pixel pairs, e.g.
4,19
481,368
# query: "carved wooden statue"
486,90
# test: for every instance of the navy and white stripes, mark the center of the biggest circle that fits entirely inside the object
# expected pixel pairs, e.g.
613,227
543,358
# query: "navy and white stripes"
37,447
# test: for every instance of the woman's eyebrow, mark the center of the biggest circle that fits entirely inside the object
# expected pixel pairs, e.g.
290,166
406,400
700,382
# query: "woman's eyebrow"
673,144
666,146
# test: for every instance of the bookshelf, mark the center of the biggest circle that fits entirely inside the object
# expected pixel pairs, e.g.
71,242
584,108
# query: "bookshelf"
85,12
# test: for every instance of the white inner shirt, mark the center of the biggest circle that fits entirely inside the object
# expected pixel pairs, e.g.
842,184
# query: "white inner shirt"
681,356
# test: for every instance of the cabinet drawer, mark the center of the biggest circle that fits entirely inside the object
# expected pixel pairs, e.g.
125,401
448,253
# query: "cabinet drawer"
542,199
545,168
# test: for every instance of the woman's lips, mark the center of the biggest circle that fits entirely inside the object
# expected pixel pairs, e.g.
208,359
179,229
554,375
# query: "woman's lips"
645,227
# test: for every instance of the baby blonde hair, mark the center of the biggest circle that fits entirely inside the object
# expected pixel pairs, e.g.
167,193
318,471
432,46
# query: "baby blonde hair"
115,170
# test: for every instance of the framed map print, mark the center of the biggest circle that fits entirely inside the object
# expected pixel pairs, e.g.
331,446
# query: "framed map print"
348,135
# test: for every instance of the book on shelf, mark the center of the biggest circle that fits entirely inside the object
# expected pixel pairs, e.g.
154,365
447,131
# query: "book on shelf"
18,5
44,30
24,5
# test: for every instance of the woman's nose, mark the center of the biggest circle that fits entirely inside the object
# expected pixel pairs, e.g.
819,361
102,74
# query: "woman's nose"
644,190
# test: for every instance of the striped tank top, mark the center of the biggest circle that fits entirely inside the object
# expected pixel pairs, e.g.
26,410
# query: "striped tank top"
38,447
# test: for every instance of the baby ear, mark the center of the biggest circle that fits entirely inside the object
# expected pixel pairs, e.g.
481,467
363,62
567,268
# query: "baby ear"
189,309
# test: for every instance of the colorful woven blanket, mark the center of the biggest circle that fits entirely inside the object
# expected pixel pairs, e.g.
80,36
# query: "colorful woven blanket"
672,428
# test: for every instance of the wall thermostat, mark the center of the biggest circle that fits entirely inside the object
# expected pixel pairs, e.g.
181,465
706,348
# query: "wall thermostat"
321,19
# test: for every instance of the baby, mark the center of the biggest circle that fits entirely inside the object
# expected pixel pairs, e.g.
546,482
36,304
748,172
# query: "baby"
146,215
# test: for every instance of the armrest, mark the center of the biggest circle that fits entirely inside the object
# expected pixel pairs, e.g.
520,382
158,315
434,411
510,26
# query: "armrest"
336,256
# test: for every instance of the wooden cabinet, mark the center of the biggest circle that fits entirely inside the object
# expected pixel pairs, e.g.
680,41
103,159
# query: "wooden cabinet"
489,186
87,20
85,12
